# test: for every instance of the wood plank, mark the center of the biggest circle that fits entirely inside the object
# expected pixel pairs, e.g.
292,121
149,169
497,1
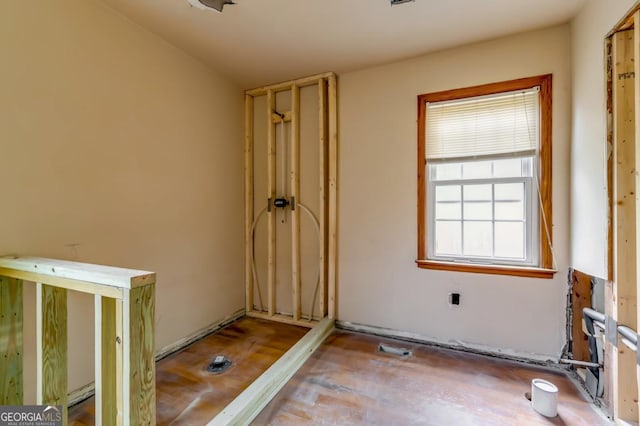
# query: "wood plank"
294,179
285,319
271,213
39,344
69,284
142,363
53,367
248,201
581,298
84,272
332,256
609,303
625,22
515,271
113,402
286,85
123,369
322,217
636,97
422,180
249,403
547,260
98,380
109,349
11,342
609,154
625,388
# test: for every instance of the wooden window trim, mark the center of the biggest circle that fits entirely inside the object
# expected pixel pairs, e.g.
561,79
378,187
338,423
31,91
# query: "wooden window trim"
514,271
545,177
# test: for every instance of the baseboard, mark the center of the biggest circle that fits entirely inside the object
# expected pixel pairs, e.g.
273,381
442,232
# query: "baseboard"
80,394
88,390
537,359
186,341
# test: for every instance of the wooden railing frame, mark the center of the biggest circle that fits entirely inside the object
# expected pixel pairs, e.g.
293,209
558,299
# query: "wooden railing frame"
124,335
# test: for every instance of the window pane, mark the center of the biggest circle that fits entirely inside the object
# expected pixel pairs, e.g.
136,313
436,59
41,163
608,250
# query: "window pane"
509,210
527,166
448,238
477,192
448,193
448,211
511,167
448,171
509,191
509,239
476,169
478,211
478,240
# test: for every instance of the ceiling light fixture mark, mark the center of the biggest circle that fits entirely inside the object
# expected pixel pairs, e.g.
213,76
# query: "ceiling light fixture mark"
396,2
217,5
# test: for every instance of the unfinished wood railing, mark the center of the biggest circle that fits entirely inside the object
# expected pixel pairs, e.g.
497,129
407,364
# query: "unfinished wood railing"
124,335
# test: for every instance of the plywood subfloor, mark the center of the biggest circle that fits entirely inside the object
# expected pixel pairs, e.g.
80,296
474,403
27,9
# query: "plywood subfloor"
348,382
188,395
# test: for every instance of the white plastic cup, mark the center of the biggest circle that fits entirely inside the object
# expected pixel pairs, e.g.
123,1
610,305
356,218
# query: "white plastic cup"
544,397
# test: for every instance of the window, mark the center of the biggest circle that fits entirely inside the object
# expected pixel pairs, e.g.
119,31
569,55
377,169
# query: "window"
484,178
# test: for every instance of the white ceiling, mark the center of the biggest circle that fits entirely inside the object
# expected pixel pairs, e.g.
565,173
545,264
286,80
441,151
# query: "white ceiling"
257,42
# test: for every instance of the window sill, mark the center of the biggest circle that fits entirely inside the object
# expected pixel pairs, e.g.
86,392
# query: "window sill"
517,271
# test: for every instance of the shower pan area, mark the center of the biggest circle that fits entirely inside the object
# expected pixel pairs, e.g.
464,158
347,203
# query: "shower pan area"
290,156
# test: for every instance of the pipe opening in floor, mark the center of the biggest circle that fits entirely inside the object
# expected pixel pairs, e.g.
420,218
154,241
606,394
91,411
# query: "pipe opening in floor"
219,364
393,350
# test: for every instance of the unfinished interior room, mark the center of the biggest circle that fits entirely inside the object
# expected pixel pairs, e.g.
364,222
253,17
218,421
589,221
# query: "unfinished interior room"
285,212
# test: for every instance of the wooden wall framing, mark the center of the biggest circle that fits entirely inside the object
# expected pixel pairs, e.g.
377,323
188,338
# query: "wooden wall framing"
327,218
622,369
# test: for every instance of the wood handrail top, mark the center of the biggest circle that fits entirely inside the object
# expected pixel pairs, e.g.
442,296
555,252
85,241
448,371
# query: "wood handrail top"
85,272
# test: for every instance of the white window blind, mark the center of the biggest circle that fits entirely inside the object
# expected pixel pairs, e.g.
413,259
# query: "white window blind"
505,124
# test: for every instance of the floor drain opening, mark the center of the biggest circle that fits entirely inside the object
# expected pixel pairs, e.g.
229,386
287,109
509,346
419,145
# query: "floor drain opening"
218,364
393,350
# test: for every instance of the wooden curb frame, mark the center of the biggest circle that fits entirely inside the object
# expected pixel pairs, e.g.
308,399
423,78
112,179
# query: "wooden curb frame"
328,137
247,405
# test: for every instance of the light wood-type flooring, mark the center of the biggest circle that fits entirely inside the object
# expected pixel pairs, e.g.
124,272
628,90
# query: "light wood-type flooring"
349,382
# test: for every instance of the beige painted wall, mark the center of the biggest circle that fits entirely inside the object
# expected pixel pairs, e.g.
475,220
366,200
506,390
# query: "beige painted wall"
119,149
588,142
379,283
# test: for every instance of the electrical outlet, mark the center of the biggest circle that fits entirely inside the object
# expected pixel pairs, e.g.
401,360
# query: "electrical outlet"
454,298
